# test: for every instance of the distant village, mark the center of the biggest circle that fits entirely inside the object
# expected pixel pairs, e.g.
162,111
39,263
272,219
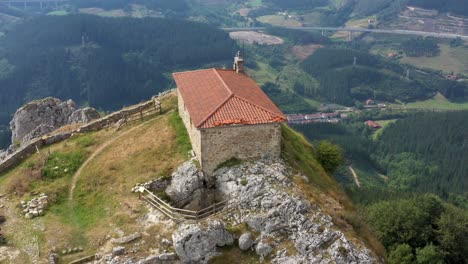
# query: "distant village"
331,113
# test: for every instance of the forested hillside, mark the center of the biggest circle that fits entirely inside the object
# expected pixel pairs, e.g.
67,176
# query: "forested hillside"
103,62
347,75
427,152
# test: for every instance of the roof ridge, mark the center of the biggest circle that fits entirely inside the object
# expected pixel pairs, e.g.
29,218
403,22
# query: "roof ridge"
222,81
199,70
215,110
259,106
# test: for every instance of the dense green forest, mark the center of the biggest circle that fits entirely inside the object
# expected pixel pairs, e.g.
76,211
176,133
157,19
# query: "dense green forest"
421,152
423,157
421,47
103,62
430,157
420,230
348,75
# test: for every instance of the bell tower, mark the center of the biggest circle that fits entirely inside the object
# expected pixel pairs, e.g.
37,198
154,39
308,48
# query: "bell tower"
238,63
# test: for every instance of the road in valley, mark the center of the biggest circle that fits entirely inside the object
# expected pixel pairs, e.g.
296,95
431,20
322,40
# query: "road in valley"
350,29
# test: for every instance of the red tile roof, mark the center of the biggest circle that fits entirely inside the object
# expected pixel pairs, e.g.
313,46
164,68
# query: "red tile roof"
216,97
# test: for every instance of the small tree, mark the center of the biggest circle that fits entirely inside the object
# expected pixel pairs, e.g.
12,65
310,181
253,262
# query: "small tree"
429,254
402,254
329,155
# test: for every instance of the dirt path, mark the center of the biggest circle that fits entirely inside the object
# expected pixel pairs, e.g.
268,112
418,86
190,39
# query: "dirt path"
356,179
95,153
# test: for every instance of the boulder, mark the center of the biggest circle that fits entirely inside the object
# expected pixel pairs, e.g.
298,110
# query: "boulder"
263,249
194,244
117,251
246,241
187,186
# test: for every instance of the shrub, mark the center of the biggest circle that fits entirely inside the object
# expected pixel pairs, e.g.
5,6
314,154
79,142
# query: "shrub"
329,155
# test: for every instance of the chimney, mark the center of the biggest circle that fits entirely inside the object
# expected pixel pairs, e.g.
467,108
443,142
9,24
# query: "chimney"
238,63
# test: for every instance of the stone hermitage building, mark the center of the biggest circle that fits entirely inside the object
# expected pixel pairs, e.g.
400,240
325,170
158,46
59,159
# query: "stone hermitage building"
227,116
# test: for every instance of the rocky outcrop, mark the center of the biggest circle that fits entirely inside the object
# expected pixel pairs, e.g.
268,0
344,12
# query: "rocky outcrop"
261,197
84,115
43,116
126,239
188,187
194,244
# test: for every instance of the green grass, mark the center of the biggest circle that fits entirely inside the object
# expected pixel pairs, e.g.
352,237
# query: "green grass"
255,3
450,60
438,102
279,20
60,164
264,73
383,123
300,154
58,13
183,140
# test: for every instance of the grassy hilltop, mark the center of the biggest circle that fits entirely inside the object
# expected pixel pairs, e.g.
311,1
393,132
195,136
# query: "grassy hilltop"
89,177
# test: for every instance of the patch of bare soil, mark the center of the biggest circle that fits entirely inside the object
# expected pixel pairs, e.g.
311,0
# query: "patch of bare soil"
244,11
305,51
256,37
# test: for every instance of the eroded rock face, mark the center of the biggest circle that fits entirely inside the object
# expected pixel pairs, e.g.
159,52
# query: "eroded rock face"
43,116
194,244
260,197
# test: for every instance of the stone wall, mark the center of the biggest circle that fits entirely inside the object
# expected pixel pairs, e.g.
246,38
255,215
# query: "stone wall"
193,132
241,142
31,147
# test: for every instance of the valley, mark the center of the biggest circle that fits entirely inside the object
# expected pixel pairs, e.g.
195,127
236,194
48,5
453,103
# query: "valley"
382,85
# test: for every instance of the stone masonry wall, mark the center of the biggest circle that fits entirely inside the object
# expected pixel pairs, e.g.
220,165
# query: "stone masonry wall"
193,132
242,142
31,147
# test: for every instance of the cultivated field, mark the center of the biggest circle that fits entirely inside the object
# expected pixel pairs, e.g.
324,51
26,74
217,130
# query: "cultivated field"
302,52
279,20
256,37
450,60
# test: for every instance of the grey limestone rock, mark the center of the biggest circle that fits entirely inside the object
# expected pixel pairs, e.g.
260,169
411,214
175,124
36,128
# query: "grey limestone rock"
260,196
187,185
246,241
263,249
194,244
117,251
43,116
84,115
126,239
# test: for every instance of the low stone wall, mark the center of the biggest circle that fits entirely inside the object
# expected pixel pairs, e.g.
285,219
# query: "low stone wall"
32,146
116,116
